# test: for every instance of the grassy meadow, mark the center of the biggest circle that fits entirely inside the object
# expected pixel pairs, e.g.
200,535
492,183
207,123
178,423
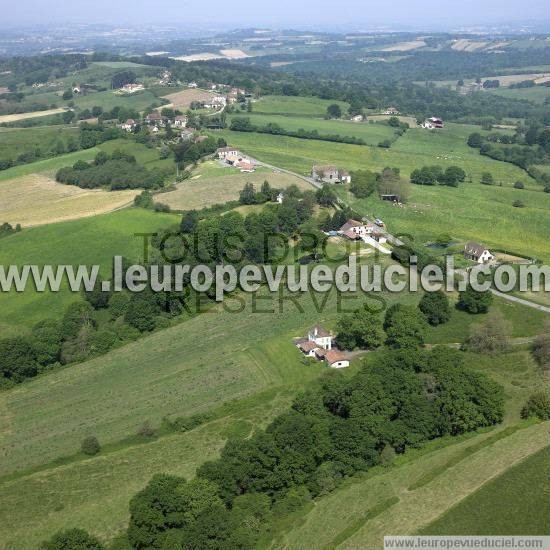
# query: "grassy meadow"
87,241
372,134
517,502
14,141
294,105
538,94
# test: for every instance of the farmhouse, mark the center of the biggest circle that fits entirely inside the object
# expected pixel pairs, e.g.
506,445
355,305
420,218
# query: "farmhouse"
215,102
223,152
477,253
132,88
129,125
279,199
433,123
180,121
357,118
330,173
318,344
245,166
155,119
353,229
391,111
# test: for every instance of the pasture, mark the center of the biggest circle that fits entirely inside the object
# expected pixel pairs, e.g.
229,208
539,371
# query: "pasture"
294,105
14,141
87,241
372,134
108,100
37,200
517,502
538,94
209,186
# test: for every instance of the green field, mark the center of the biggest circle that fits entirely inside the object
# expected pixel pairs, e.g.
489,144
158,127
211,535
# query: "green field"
294,105
120,64
538,94
515,503
14,141
88,241
372,134
108,100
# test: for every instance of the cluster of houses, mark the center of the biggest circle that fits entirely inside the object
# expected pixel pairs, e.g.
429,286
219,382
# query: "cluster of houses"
477,253
318,344
233,157
330,174
355,230
132,88
433,123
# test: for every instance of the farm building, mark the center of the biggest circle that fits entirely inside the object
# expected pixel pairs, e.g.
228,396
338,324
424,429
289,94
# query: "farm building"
318,344
155,119
180,121
477,253
330,173
245,166
355,230
129,125
132,88
433,123
391,111
223,152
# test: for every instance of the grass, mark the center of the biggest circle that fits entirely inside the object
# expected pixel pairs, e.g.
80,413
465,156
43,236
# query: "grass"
294,105
14,141
120,64
30,114
108,100
211,185
372,134
538,94
36,199
87,241
515,503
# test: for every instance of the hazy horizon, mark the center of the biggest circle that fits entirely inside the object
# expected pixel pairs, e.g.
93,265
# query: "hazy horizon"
399,14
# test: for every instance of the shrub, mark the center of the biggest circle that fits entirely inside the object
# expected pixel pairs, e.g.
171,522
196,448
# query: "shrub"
538,405
90,445
72,539
146,430
518,204
541,347
474,301
435,307
519,185
491,336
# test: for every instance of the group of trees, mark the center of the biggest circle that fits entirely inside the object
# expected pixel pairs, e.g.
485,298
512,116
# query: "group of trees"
116,171
435,175
249,195
8,229
387,182
242,124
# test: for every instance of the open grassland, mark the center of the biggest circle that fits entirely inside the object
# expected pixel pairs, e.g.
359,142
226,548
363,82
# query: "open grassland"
418,147
30,114
372,134
87,241
515,503
14,141
144,155
37,200
411,121
402,46
203,189
294,105
109,99
113,479
538,94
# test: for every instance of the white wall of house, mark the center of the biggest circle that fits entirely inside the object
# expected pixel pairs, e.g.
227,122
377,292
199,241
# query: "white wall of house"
339,364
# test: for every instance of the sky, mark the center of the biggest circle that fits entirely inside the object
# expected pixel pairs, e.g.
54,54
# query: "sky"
419,14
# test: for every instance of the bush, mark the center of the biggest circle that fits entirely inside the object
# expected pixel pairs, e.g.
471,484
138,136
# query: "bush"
72,539
492,336
541,347
519,185
146,430
435,307
90,445
538,406
473,301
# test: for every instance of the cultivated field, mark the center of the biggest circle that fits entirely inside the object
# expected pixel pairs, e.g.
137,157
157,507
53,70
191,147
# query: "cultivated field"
31,114
208,187
403,46
515,503
108,100
182,100
36,200
293,105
